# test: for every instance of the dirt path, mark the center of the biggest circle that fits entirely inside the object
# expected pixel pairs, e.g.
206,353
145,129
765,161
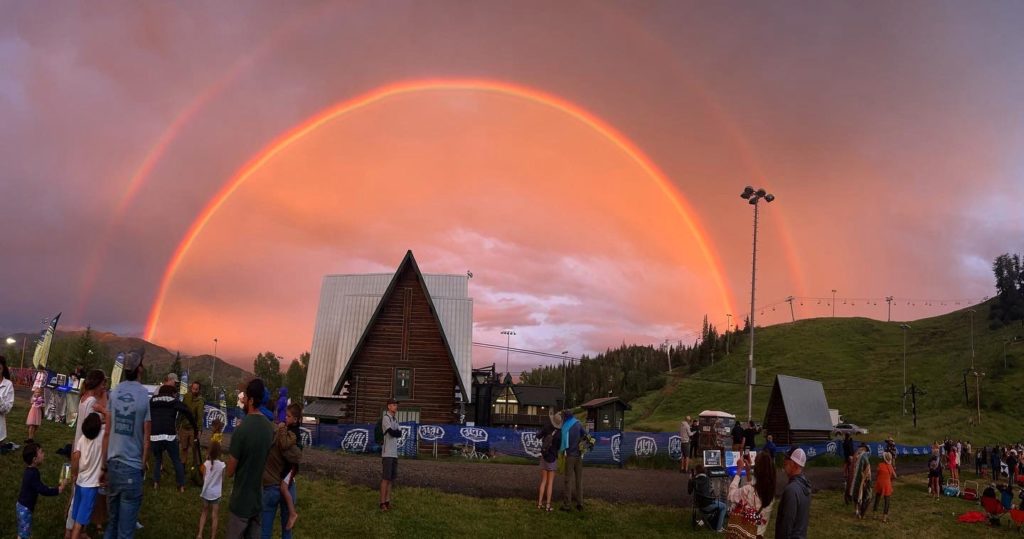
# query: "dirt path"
482,479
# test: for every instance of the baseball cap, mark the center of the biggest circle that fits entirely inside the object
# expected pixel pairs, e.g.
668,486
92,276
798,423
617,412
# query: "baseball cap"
392,401
171,377
133,358
798,457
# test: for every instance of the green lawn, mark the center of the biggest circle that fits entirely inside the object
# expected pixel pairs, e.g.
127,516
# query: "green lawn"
860,363
332,508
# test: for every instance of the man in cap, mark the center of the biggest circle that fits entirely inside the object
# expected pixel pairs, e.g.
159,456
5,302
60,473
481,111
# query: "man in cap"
795,503
389,453
126,445
684,444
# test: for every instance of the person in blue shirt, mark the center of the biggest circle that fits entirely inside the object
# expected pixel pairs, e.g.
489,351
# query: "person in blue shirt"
127,446
769,446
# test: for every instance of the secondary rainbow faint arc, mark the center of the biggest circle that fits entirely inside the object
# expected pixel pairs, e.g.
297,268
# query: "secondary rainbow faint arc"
422,85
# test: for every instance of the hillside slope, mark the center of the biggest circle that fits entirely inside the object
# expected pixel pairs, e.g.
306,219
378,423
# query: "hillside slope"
860,363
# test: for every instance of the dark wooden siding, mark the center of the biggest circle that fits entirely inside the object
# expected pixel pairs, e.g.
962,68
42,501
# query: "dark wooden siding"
776,422
405,334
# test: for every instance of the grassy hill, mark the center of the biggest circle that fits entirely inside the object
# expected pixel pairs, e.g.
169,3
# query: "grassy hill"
860,363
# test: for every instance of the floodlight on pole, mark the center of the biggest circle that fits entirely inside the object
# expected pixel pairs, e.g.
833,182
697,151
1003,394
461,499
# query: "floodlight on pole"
753,197
508,333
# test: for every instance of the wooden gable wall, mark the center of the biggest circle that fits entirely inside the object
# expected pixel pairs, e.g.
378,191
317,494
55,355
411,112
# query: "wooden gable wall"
406,333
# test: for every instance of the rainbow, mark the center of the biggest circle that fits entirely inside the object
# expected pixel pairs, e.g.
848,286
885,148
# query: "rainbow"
295,134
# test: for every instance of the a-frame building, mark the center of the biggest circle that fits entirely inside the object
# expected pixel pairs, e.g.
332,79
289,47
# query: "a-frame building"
403,349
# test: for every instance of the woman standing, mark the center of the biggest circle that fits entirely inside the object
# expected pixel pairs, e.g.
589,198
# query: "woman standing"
860,487
752,502
550,440
934,476
883,487
954,465
6,397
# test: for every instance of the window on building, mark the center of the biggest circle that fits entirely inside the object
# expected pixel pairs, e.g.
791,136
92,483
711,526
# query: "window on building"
403,383
506,403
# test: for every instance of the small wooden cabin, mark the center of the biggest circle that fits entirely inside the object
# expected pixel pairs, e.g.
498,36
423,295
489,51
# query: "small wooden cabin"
797,412
605,414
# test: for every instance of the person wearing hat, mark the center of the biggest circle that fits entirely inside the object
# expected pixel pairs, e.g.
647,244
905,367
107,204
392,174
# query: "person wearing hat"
572,433
685,431
128,430
795,503
389,453
550,437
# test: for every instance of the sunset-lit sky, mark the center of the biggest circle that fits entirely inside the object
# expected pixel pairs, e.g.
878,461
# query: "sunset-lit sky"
186,172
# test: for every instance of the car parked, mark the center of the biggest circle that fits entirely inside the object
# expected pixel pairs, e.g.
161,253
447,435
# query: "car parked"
848,428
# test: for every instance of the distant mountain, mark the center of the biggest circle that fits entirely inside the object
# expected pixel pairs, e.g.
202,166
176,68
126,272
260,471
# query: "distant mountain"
157,363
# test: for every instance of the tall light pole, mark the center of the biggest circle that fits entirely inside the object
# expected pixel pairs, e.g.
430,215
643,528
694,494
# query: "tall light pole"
24,342
888,299
508,333
668,353
905,328
753,198
833,303
565,374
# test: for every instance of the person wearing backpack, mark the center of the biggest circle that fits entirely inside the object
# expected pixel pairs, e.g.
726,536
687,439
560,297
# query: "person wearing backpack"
390,432
551,439
572,434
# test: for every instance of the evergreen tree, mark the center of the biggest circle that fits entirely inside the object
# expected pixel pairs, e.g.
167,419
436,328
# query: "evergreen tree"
295,379
267,367
176,366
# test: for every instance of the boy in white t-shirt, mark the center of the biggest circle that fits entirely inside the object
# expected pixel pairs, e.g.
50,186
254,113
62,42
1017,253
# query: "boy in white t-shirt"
86,463
213,478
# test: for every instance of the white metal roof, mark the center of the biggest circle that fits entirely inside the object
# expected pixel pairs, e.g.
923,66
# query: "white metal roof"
347,302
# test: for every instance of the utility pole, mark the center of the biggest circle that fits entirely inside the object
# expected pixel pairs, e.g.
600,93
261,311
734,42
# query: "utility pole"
913,402
214,367
888,299
905,328
753,198
967,401
833,303
977,392
792,316
565,374
668,352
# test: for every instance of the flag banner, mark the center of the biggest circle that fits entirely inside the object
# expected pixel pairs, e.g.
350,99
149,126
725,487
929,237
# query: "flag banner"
611,447
42,352
117,370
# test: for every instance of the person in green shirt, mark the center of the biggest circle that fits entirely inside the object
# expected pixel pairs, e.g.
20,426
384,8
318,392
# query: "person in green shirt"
250,445
186,436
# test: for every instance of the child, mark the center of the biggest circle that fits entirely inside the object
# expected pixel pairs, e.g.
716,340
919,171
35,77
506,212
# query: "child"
292,419
86,464
213,475
883,487
218,431
35,413
31,487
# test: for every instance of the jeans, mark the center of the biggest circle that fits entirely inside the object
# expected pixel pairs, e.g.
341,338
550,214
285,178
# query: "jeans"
272,499
716,510
171,447
124,498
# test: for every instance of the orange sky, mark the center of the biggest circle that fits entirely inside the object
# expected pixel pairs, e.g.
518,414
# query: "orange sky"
890,134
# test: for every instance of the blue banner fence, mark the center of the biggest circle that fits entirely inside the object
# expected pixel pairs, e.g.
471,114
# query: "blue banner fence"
612,447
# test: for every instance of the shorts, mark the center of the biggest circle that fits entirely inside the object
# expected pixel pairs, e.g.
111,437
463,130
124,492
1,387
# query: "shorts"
85,500
207,503
24,521
685,449
548,466
390,468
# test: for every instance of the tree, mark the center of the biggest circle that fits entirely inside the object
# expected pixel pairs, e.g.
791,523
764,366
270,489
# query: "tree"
267,367
176,366
1009,305
295,379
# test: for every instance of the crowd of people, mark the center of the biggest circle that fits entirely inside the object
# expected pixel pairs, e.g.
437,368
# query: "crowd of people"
120,432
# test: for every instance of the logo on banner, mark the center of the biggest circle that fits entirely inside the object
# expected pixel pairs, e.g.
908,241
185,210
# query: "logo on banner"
531,443
881,449
915,451
356,440
305,437
645,446
406,431
213,414
811,452
617,448
431,433
831,448
474,434
675,448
